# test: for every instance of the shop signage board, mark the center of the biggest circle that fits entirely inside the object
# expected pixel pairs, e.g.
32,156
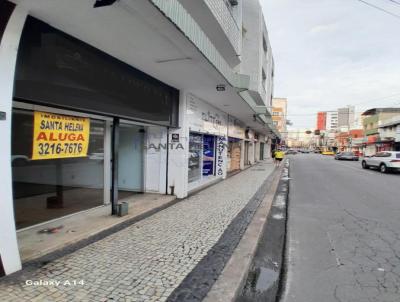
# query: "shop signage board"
205,118
175,138
59,136
236,128
221,143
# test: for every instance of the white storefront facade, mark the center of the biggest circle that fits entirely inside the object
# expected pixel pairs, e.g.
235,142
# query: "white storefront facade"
134,89
207,132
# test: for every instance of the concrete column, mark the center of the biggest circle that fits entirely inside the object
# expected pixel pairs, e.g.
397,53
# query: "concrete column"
8,54
178,154
242,145
267,149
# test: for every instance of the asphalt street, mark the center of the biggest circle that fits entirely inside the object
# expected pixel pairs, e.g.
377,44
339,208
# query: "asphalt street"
343,241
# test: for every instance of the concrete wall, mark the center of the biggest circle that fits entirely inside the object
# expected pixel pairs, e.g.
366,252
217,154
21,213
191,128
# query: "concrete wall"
256,52
178,157
156,160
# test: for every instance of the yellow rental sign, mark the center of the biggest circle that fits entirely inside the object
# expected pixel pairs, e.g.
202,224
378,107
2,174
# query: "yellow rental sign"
59,136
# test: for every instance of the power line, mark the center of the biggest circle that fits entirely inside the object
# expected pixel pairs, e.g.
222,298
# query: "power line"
380,8
398,3
363,102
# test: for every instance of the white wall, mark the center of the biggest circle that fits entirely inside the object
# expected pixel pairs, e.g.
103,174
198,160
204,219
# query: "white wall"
8,53
156,160
254,56
191,111
267,149
257,151
178,157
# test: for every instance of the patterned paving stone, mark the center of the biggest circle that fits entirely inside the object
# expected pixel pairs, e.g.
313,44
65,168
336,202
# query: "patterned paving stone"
146,261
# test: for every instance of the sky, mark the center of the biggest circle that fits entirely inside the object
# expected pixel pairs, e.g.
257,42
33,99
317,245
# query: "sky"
333,53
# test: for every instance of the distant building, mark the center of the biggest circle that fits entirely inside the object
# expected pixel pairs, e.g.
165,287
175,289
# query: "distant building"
346,117
331,120
350,141
375,123
279,115
321,121
358,121
390,130
301,138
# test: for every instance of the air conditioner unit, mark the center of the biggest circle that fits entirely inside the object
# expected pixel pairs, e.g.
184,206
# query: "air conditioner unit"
233,2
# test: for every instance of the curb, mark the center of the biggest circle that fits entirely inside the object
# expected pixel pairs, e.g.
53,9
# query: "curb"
230,283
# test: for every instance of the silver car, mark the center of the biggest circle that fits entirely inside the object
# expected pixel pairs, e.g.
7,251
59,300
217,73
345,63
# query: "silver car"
385,161
346,156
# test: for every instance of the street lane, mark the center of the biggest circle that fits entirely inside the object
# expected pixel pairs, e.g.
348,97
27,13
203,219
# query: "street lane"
343,232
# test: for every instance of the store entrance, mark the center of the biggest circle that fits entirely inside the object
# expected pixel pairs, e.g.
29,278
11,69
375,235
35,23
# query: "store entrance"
55,186
201,163
262,151
234,154
246,153
130,160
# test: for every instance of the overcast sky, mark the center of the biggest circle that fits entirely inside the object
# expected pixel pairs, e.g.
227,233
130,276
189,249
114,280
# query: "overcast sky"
333,53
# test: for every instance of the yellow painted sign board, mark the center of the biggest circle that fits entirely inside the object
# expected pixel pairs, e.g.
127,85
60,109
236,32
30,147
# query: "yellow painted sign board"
59,136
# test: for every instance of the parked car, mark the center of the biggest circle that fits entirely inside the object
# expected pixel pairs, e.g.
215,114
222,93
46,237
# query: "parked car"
346,156
290,151
385,161
328,153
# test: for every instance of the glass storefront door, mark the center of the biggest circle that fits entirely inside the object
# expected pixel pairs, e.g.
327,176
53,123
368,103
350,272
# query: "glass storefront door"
45,189
201,161
208,155
246,153
261,151
195,156
130,159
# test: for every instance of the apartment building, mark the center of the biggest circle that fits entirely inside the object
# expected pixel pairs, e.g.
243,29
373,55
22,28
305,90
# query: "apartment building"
378,123
105,99
346,117
332,121
279,115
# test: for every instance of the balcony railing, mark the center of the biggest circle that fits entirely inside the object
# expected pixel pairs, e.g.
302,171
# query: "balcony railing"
226,20
371,131
173,10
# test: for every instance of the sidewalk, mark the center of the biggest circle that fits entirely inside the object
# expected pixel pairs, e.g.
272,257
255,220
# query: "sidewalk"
147,260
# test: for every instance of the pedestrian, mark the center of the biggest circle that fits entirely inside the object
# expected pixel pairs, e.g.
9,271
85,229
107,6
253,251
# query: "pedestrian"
279,155
273,156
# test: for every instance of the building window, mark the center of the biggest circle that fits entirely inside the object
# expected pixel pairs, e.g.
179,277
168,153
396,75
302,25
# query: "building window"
265,46
264,77
51,188
201,156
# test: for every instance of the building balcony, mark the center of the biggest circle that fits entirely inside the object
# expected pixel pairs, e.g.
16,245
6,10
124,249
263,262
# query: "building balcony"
371,131
221,22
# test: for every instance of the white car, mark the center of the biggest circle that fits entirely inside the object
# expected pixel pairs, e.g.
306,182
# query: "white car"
384,161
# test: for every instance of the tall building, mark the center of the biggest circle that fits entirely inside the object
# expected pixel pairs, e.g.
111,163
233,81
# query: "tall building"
331,120
346,118
321,121
279,115
193,75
